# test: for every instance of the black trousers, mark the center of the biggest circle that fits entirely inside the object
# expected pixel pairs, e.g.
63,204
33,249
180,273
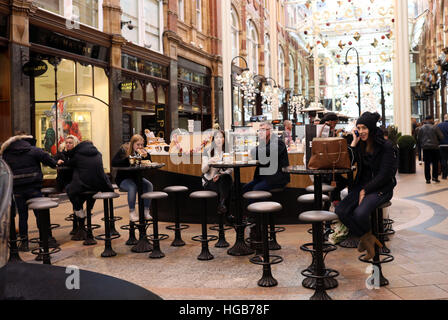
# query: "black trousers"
431,156
444,160
20,198
355,216
222,187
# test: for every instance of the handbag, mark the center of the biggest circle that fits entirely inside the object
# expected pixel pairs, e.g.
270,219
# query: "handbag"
329,153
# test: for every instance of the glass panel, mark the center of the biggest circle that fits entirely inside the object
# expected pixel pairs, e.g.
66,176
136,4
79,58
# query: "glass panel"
195,97
180,7
101,84
84,79
152,24
44,84
130,13
138,92
75,117
50,5
150,94
186,95
161,95
66,78
87,11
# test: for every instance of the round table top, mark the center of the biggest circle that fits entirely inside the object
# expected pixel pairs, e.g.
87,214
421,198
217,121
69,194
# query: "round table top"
236,164
302,169
153,165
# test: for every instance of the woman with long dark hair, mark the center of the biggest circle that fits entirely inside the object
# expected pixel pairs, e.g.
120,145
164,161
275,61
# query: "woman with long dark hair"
215,179
376,160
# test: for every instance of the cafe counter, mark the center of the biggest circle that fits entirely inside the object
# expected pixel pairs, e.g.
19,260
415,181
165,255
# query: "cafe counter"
191,165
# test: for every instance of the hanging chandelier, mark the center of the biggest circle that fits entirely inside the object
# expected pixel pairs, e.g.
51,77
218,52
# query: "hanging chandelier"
247,84
297,104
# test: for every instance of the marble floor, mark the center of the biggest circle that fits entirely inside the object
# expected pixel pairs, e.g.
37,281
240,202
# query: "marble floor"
419,270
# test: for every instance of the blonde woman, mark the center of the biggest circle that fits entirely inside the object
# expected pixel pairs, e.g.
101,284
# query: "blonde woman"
127,180
64,177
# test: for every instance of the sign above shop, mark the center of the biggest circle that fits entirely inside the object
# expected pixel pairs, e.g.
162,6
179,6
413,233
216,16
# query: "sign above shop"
127,86
34,68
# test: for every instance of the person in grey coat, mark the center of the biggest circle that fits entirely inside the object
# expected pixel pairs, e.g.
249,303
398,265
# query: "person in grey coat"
429,137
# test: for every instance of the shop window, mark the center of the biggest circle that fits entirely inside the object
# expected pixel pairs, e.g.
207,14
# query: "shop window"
44,84
137,94
150,93
179,94
72,116
195,98
3,26
161,95
101,84
84,79
66,78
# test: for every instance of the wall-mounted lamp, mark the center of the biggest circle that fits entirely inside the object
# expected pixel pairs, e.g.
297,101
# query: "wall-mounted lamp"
128,23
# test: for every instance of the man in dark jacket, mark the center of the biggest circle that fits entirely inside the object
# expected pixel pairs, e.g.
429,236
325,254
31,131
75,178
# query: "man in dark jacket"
25,158
88,175
269,175
444,146
429,137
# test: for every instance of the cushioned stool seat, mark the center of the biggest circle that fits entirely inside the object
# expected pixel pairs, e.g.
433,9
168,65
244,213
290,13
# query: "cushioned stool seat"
317,216
325,188
175,189
107,237
42,199
203,194
155,195
266,206
42,205
49,190
257,195
309,198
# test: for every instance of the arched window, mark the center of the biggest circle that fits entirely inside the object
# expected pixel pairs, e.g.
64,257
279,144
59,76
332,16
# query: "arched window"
267,56
291,73
299,77
235,35
307,83
252,47
281,67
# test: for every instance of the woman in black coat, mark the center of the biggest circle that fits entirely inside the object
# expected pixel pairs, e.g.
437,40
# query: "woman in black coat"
377,162
88,175
65,176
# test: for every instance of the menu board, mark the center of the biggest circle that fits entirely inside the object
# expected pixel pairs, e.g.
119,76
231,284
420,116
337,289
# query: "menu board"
126,127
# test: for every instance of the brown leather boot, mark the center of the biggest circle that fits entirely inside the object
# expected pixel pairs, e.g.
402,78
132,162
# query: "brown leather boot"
370,245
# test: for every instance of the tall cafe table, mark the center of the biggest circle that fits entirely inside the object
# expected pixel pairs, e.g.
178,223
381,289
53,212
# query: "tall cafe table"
143,244
310,283
240,248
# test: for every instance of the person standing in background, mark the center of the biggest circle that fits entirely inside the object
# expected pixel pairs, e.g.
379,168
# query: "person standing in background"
429,137
444,146
287,133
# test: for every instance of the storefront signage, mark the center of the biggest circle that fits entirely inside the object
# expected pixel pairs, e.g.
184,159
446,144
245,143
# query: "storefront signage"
160,118
34,68
143,66
65,43
127,86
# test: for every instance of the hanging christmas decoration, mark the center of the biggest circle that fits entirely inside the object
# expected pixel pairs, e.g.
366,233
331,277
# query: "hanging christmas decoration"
357,36
374,43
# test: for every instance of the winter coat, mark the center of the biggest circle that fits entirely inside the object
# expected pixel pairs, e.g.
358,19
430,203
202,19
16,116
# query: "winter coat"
24,158
429,136
383,164
64,176
444,128
121,160
88,171
280,177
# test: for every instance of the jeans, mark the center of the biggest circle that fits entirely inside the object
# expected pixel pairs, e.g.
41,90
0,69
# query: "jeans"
444,160
357,217
20,198
222,187
259,184
130,187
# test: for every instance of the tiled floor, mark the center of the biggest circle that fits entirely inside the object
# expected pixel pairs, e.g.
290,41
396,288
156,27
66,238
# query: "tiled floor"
419,271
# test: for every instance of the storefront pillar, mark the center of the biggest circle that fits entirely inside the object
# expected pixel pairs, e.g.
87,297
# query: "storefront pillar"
173,108
19,55
219,101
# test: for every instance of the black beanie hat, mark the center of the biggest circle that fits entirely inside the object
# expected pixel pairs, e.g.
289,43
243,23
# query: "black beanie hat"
330,116
369,119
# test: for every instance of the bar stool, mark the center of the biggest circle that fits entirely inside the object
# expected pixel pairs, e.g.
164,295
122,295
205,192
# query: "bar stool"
155,238
273,230
43,218
255,240
132,240
264,209
309,199
326,189
204,238
46,193
320,273
377,224
177,227
89,239
107,237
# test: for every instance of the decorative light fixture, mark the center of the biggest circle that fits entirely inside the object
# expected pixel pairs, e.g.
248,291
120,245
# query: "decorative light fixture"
297,103
271,96
246,83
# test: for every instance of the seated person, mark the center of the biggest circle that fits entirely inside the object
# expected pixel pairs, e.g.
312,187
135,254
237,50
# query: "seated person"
88,175
216,179
24,159
65,176
127,180
278,179
376,160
